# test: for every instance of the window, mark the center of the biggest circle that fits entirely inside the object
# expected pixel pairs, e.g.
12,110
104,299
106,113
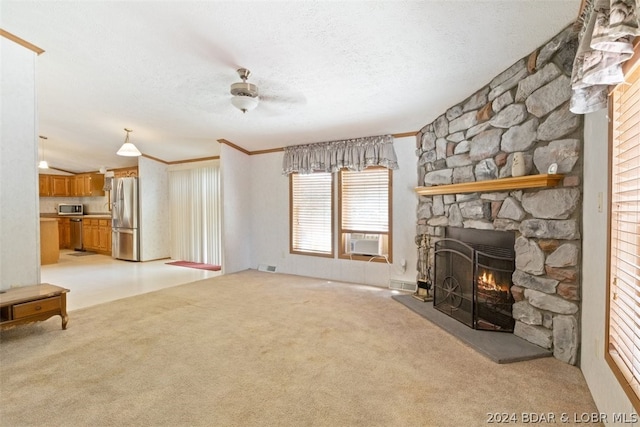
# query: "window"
365,214
623,308
311,214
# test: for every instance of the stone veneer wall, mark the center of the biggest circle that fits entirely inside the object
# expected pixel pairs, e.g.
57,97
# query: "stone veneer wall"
524,109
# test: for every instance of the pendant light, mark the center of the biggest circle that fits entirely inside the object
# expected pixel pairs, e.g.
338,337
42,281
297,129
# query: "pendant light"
128,149
43,163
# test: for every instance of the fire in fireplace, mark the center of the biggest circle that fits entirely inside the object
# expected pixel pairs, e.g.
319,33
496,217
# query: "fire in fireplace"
472,282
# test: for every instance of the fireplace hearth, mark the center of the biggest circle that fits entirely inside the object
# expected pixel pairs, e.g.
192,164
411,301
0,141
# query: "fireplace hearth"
472,282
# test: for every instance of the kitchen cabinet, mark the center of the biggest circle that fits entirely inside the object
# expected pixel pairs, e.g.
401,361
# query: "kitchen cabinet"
104,235
126,172
44,185
87,236
81,185
77,187
59,185
49,246
90,184
96,235
64,233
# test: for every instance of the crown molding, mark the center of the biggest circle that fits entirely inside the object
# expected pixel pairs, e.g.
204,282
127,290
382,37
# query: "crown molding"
7,35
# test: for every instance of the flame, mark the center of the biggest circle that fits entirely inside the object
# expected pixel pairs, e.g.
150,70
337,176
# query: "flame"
488,282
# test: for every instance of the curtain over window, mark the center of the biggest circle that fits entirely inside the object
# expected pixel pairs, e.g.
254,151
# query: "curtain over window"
353,154
194,198
605,43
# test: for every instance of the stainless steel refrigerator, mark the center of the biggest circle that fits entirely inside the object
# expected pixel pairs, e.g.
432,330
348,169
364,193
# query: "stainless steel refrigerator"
125,225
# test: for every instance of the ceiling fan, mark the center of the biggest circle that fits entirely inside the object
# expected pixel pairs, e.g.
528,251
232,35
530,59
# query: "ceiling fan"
246,96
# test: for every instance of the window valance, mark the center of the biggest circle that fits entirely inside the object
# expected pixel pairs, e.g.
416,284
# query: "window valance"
353,154
605,43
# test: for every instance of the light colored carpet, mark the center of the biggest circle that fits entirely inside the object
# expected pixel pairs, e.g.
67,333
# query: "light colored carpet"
265,349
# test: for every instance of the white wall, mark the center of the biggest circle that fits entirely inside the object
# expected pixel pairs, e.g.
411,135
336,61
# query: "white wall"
19,211
270,225
155,228
605,389
237,209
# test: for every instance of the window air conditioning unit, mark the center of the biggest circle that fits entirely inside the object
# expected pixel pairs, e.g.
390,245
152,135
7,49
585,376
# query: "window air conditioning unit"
370,245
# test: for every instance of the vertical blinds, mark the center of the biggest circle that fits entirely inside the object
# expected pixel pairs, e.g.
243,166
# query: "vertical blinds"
196,231
311,212
365,201
624,285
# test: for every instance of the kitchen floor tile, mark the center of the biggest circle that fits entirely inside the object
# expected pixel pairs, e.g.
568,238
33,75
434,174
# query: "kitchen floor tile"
96,279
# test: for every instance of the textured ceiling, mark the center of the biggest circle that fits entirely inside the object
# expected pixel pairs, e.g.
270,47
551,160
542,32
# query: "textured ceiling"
325,70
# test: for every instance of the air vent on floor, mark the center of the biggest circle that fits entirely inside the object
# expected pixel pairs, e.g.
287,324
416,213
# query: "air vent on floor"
267,268
401,285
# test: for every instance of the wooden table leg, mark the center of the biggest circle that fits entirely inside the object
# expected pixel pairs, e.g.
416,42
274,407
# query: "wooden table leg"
63,310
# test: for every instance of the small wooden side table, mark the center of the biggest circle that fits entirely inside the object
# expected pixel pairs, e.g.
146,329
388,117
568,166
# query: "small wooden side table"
34,303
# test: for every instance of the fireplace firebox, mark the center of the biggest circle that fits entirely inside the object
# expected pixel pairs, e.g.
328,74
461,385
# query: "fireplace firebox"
472,281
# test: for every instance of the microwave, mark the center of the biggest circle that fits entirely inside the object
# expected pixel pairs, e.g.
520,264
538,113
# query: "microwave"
68,209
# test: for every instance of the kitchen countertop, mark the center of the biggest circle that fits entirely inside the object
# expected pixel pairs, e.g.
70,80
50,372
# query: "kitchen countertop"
96,215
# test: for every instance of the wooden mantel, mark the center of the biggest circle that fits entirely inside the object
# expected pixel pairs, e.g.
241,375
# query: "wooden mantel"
527,181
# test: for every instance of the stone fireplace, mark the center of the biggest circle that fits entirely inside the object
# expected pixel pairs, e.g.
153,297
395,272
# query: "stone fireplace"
472,277
525,109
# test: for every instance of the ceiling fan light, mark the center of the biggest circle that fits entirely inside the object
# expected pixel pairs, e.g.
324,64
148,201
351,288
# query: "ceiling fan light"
244,103
128,149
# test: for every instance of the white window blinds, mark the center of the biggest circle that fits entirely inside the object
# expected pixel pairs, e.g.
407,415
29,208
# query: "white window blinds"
311,213
365,201
624,286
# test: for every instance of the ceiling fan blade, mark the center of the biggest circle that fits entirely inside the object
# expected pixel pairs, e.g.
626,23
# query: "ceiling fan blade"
274,92
285,98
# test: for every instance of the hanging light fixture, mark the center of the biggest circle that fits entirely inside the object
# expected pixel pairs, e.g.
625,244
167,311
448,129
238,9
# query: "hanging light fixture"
245,94
128,149
43,163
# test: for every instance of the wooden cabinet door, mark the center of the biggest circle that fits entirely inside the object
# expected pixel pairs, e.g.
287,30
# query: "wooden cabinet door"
87,185
73,186
59,186
95,184
95,235
44,185
104,231
64,233
79,188
67,234
87,236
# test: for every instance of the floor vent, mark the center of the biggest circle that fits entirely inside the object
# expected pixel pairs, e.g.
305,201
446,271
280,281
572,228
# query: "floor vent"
267,268
401,285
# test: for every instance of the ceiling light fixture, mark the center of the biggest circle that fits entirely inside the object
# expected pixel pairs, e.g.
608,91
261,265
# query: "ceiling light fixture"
128,149
43,163
245,95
